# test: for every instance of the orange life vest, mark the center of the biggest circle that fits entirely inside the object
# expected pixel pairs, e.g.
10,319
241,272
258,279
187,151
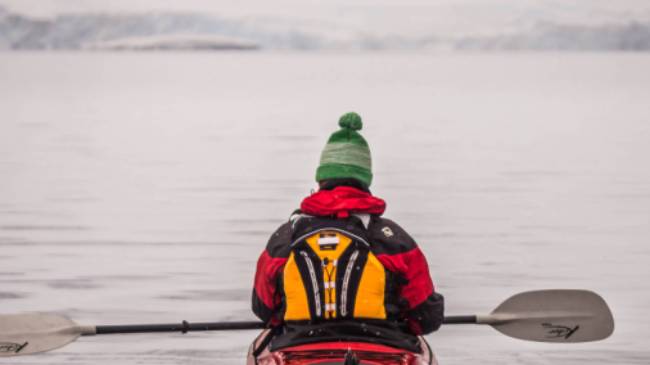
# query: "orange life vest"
331,273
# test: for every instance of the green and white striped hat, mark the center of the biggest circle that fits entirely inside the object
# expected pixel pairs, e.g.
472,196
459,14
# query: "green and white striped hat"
346,154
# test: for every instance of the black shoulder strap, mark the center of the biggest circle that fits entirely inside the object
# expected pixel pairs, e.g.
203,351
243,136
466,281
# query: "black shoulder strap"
304,225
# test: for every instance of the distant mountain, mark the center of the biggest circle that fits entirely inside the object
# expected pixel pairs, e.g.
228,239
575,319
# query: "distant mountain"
560,37
173,42
91,30
187,31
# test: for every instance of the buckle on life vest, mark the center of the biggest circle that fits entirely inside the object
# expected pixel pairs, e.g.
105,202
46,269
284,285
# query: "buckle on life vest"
327,241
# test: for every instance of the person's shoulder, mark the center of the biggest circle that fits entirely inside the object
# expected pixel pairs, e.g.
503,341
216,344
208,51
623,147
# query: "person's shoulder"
279,244
389,237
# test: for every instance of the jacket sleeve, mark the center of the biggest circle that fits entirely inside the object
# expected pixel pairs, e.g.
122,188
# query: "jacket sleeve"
266,298
425,307
400,254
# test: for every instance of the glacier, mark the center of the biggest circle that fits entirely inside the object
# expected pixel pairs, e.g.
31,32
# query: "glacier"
189,30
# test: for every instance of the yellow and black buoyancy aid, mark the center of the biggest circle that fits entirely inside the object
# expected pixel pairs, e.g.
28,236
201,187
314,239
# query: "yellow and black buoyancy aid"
331,273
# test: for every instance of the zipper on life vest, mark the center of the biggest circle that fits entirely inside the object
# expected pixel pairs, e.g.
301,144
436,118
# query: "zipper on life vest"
330,287
346,283
314,282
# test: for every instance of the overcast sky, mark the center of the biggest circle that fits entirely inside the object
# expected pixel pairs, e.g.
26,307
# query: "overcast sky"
406,16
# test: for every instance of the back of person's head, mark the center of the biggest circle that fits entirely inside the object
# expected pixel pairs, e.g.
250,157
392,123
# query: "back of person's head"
346,160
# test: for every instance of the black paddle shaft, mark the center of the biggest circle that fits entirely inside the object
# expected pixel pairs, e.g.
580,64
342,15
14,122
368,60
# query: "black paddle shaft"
182,327
185,326
459,320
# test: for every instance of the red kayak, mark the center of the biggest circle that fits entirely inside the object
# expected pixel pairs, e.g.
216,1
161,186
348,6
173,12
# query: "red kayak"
343,353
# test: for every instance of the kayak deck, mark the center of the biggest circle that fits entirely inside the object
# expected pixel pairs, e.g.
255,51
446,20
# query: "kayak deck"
334,353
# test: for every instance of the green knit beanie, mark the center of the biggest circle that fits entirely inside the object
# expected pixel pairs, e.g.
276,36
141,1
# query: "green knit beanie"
346,154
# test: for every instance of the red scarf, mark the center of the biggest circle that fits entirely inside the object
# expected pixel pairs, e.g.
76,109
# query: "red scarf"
341,202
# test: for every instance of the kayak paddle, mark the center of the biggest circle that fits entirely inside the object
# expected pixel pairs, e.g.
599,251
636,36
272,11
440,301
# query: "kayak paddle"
559,315
28,333
544,315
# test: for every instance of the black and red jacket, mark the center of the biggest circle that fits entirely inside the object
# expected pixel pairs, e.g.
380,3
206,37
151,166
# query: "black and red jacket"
410,294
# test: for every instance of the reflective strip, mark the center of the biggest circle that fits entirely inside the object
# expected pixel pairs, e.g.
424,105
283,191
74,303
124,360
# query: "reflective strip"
330,284
328,240
314,282
346,283
330,307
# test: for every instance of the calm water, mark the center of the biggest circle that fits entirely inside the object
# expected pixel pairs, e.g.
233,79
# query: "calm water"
140,188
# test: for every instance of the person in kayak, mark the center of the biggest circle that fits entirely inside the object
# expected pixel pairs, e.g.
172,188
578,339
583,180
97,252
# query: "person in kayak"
337,260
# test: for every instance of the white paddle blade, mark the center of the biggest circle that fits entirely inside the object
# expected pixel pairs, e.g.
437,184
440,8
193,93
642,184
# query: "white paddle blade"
22,334
553,316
